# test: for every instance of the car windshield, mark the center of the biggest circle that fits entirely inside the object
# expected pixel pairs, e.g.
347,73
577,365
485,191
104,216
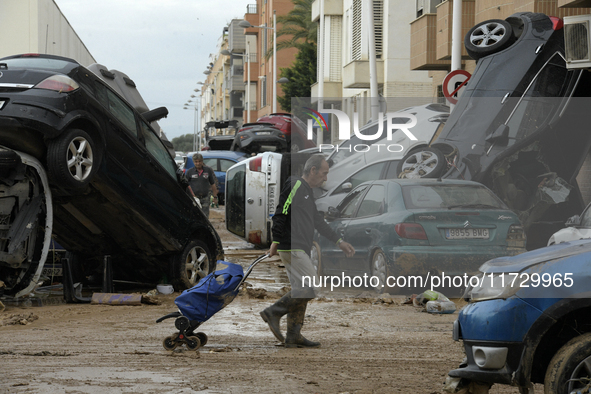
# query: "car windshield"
37,62
449,197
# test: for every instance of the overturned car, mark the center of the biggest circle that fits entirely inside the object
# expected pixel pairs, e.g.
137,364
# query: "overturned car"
519,127
81,163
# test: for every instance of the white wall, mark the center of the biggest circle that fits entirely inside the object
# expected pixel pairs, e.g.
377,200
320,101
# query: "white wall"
38,26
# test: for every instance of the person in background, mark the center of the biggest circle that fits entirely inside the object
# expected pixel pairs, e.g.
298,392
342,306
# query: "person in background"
202,183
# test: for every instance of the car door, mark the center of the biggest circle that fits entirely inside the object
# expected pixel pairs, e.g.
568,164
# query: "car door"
366,229
331,255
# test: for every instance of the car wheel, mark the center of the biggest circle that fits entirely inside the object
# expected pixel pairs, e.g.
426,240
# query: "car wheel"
194,263
379,269
488,37
72,159
296,145
422,163
315,256
569,370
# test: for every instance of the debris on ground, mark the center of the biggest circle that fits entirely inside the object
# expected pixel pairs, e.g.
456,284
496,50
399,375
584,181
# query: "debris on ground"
20,318
123,299
433,302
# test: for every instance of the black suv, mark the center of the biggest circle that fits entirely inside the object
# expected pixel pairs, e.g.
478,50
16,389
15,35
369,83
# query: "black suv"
77,160
521,125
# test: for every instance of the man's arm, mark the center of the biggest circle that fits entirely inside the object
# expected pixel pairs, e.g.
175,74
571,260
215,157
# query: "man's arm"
325,230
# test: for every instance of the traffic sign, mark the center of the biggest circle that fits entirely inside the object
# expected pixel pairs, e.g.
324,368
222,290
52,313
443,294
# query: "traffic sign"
454,84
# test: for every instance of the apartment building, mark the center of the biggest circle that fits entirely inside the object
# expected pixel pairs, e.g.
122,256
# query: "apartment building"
345,57
38,26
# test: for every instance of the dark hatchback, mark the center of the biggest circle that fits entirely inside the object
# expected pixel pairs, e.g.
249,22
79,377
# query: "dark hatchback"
521,125
77,160
254,138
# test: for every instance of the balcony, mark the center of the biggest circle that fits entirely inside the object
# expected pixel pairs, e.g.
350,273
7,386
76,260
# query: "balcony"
423,44
331,89
356,74
444,27
253,17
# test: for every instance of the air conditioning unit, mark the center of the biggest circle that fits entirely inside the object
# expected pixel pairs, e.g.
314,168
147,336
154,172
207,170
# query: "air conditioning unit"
577,41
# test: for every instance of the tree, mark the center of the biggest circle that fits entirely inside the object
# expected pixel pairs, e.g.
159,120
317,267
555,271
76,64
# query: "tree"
184,143
298,25
301,75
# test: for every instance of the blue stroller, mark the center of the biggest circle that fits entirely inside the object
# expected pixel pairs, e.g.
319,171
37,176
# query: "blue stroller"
197,304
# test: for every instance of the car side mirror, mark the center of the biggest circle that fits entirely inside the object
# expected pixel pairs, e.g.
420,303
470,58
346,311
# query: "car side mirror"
332,213
346,187
155,114
499,136
573,221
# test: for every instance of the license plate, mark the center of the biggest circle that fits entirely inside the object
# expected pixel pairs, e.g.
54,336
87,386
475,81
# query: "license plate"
49,272
466,233
263,133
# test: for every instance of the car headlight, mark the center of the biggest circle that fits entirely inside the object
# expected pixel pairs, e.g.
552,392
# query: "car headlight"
491,286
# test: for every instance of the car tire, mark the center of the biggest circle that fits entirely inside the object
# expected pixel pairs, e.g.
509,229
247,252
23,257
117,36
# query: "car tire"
422,163
568,365
488,37
72,159
316,258
193,264
296,145
379,268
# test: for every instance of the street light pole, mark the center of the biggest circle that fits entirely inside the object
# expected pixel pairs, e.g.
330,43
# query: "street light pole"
274,62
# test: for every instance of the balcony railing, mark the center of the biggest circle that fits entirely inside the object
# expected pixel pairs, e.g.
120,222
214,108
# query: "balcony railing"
251,9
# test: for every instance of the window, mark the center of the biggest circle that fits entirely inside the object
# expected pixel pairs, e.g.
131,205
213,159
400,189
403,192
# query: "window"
369,173
122,112
236,199
448,196
157,149
347,206
263,91
211,162
373,202
225,164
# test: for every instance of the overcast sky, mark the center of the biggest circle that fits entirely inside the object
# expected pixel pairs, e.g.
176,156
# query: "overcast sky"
163,45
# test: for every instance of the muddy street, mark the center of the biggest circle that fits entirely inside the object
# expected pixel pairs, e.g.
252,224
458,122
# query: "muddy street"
369,345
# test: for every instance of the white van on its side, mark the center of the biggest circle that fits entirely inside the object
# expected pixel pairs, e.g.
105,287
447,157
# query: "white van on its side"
252,192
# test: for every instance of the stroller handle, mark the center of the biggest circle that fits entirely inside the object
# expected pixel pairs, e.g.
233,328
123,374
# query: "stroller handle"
249,269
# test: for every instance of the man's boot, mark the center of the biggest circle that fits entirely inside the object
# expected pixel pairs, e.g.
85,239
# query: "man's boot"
272,315
295,321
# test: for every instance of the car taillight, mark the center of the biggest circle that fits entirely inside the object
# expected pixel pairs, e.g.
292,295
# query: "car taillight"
516,236
557,23
59,83
410,230
256,164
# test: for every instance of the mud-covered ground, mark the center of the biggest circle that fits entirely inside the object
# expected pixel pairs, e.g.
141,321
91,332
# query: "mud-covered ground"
369,345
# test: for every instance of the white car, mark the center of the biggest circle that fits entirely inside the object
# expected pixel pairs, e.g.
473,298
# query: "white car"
578,227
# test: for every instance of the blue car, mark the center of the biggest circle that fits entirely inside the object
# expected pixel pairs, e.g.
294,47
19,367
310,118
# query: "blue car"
219,161
529,321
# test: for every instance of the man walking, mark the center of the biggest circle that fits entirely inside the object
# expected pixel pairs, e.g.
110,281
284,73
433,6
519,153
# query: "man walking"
294,222
202,183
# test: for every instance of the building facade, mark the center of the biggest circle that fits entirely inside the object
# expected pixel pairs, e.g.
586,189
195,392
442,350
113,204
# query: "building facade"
38,26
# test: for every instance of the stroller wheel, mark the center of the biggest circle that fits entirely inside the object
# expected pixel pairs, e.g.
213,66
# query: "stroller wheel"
202,337
182,323
169,343
193,343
